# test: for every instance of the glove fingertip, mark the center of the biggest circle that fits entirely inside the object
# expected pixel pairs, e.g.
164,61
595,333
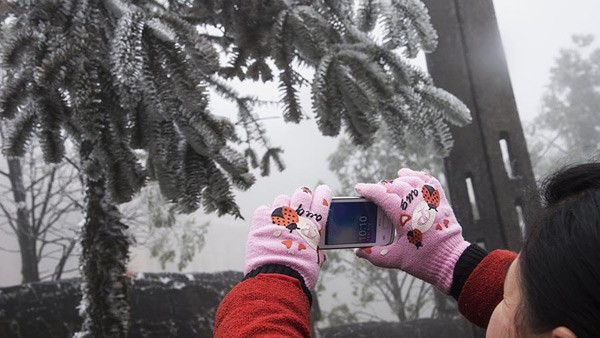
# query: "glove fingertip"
404,172
323,195
366,189
409,172
359,187
363,252
280,201
324,188
322,258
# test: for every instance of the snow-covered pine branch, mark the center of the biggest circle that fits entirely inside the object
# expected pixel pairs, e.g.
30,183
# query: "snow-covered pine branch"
119,75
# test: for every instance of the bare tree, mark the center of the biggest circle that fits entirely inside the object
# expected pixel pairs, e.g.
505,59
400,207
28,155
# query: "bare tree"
406,297
155,225
567,128
41,206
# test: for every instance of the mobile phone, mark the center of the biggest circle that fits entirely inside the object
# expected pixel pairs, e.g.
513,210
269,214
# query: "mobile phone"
355,222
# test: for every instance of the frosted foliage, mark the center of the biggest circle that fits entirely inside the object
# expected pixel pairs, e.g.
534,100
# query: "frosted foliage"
567,128
178,285
115,76
156,226
81,334
83,305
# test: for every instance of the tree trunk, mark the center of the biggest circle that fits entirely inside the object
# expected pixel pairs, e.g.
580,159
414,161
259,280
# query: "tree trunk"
60,267
397,294
105,245
25,233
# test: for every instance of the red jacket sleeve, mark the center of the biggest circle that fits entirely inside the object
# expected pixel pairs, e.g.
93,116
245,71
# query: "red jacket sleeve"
268,305
484,289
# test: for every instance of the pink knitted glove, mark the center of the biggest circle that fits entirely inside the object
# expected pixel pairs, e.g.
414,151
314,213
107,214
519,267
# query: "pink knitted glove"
428,238
288,233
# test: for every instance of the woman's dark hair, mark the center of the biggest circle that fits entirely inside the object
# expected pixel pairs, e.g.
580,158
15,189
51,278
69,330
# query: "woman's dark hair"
560,260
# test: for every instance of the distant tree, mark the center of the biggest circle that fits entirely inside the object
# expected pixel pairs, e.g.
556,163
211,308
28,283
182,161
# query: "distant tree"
568,126
117,75
40,205
405,296
156,226
352,163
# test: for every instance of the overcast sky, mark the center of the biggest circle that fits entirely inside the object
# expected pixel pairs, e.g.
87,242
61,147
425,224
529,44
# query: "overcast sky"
533,31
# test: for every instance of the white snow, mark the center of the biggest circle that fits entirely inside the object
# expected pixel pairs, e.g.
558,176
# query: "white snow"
81,334
83,305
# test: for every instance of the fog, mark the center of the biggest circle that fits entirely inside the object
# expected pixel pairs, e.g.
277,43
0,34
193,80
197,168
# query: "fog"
532,31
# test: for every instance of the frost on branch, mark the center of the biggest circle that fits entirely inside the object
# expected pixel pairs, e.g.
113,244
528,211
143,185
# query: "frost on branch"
116,76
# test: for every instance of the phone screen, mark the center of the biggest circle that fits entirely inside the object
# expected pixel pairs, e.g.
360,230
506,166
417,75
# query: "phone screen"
351,222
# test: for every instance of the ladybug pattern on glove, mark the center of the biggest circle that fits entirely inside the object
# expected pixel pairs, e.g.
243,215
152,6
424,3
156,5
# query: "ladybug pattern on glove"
415,237
292,220
423,215
285,216
431,196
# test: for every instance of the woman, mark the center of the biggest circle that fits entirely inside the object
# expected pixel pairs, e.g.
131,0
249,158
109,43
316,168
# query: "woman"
551,289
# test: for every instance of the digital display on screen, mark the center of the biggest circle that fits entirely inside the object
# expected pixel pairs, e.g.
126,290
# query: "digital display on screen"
351,222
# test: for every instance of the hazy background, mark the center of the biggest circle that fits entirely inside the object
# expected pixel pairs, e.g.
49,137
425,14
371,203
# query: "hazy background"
532,31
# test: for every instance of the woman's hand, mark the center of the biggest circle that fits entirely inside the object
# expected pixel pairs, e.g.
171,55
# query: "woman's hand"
288,233
429,239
